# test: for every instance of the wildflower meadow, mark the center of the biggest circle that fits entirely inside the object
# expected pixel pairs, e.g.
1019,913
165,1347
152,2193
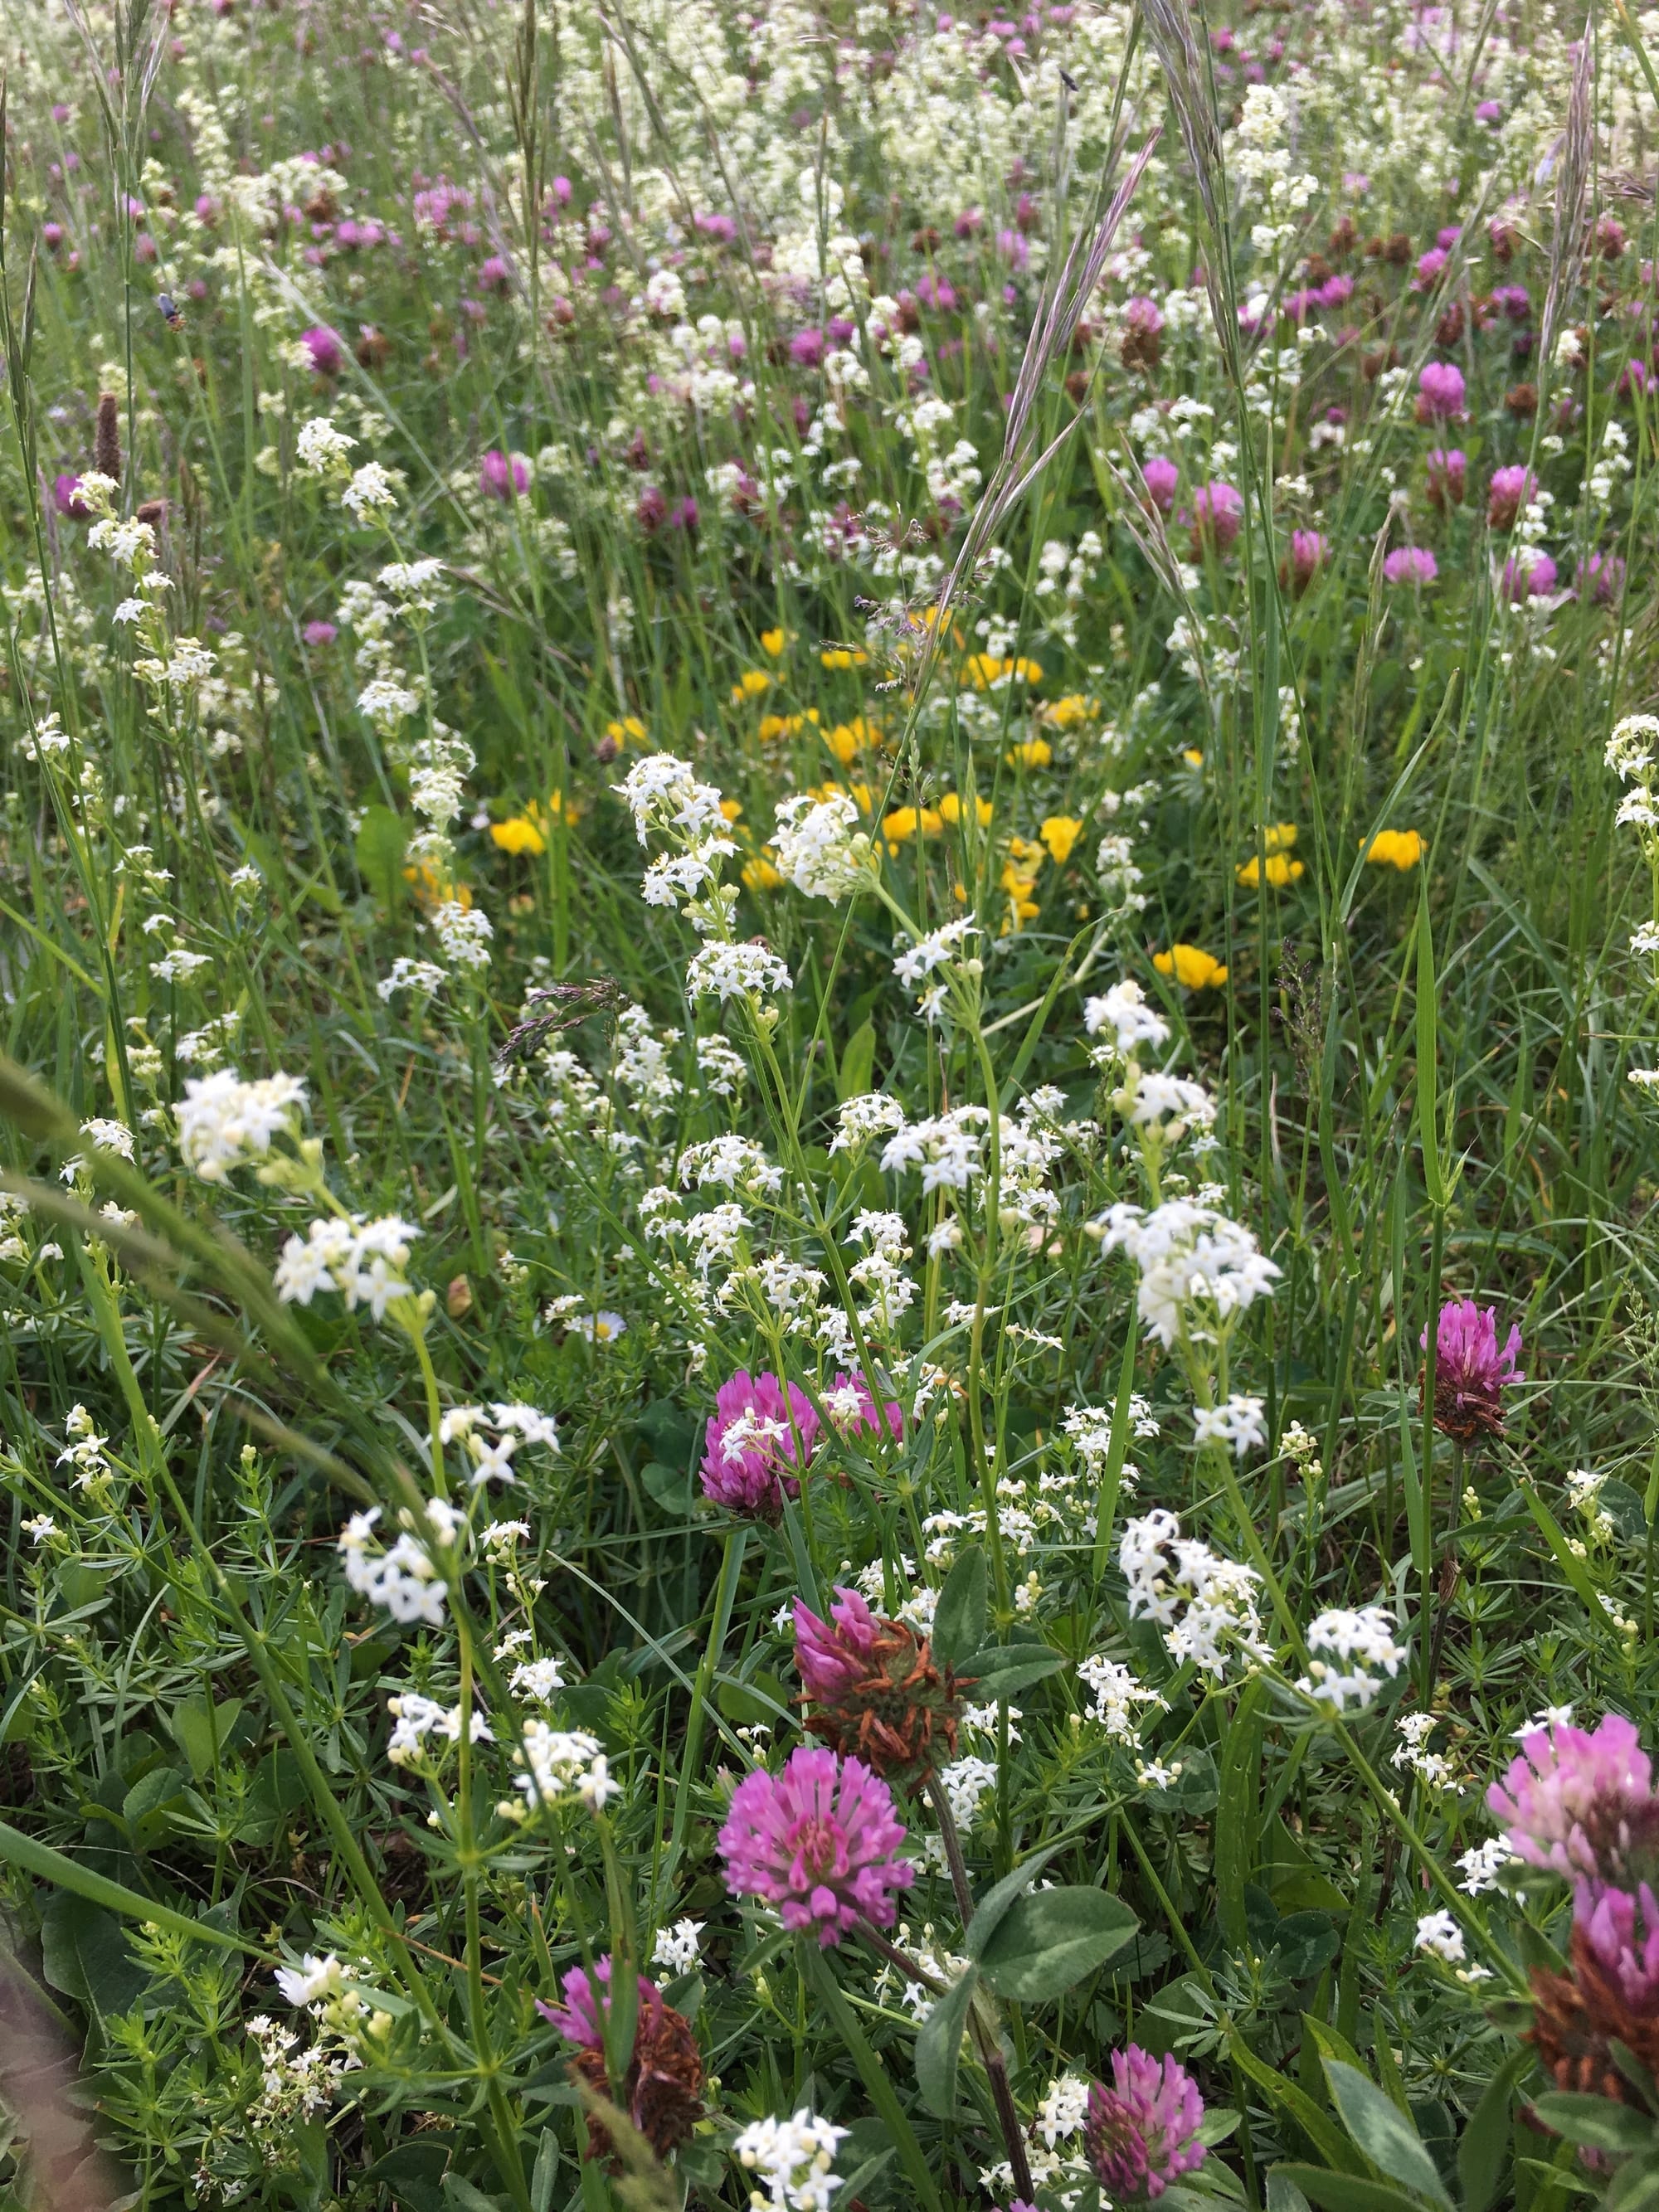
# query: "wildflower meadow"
829,1106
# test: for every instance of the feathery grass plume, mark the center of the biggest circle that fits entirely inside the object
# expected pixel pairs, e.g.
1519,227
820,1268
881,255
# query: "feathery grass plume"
1568,242
1051,328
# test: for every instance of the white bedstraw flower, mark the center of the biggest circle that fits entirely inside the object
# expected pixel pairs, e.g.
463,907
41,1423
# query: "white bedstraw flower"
562,1763
1206,1605
1123,1010
363,1260
821,846
1482,1866
675,1947
418,1718
321,450
790,2160
312,1982
1438,1933
223,1121
1349,1651
369,493
729,971
1191,1258
1241,1423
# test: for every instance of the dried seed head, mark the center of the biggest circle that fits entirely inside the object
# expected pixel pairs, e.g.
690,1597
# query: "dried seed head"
106,442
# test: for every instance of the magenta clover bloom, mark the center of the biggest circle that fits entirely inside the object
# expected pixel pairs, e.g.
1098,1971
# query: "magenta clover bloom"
1308,549
1217,511
581,2018
1509,491
1602,578
1439,392
850,1407
1410,564
319,633
326,351
1571,1799
755,1434
502,476
1142,2133
1469,1370
1622,1932
66,497
1162,477
1528,576
819,1842
833,1656
1447,468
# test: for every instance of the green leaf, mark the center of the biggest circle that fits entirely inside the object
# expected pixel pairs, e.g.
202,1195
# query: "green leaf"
1382,2131
1235,1810
382,840
1486,2142
858,1063
999,1671
462,2195
670,1487
83,1952
1596,2121
1306,1943
959,1620
1046,1941
1428,1025
1283,2195
1348,2192
817,1972
1635,2187
1297,2106
199,1727
47,1865
938,2047
990,1910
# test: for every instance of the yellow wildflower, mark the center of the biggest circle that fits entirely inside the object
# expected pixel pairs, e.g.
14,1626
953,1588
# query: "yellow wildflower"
1193,968
759,874
1025,855
1065,713
1395,848
1193,757
843,656
1028,671
773,641
730,808
753,683
630,730
1278,836
950,808
431,888
518,834
1280,871
1059,833
1033,752
773,725
902,823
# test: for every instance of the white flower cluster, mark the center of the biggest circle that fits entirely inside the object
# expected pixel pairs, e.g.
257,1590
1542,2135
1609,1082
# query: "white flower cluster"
1206,1605
917,962
821,846
515,1425
734,971
463,933
363,1260
1196,1266
1432,1768
791,2160
872,1113
677,1947
564,1763
223,1121
1115,1694
418,1718
1125,1012
406,1579
1351,1650
1239,1424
